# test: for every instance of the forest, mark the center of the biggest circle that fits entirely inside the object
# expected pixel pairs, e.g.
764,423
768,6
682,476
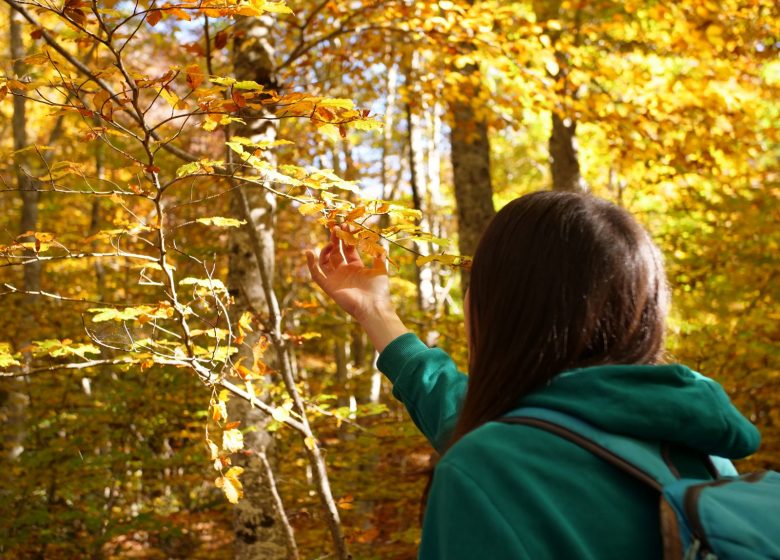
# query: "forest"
172,382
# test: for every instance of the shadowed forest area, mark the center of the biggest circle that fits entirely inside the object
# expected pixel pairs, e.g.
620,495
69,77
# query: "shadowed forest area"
174,385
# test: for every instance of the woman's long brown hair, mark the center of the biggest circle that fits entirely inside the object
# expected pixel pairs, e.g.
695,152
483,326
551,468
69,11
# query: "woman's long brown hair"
559,281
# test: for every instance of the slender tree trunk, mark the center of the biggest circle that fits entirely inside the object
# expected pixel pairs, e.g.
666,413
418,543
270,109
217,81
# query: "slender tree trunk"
341,357
470,153
16,400
470,170
258,524
261,528
419,188
27,186
433,199
95,219
564,163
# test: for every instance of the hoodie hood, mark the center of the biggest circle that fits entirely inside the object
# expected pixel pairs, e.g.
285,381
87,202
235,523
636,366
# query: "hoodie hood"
658,402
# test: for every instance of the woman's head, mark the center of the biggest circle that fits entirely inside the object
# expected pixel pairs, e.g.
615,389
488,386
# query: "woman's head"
559,281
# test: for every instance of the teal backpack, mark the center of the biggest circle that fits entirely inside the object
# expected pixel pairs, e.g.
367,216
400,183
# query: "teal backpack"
729,517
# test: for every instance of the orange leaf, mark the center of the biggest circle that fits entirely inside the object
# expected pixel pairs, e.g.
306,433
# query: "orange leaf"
179,13
243,371
346,237
154,17
219,411
16,84
326,114
220,39
238,99
356,213
100,98
195,76
72,9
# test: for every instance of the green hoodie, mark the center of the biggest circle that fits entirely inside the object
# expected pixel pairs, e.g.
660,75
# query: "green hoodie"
511,491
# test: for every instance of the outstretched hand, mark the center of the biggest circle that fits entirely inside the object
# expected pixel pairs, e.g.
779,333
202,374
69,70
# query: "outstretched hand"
340,272
361,291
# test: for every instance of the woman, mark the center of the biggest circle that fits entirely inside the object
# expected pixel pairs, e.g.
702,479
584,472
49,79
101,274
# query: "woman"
565,311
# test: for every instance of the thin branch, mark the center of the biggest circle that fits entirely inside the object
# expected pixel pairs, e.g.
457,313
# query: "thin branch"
13,290
292,547
75,365
29,260
81,67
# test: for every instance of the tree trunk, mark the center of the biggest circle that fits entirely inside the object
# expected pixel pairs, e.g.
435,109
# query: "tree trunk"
28,187
417,178
95,218
257,521
470,167
15,401
470,170
564,164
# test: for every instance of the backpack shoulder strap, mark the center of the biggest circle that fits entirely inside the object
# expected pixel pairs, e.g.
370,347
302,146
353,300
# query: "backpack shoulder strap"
642,459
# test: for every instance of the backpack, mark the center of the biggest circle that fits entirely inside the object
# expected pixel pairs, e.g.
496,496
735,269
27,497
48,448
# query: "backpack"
729,517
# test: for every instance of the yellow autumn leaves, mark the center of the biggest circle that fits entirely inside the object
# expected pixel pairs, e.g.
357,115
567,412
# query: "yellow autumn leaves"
232,441
230,484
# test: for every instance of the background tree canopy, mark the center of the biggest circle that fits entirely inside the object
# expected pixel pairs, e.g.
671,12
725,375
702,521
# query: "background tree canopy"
172,385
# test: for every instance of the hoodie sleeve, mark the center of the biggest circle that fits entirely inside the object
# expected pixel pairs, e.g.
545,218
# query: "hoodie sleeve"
463,523
429,384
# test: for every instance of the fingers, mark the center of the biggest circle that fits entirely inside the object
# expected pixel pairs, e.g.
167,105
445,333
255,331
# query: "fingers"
329,256
351,254
337,252
314,268
337,257
324,259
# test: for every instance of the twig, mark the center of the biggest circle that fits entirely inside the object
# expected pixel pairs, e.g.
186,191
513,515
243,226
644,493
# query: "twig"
292,547
41,293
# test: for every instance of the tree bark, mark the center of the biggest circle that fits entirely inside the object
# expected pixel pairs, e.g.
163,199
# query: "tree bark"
15,401
470,170
564,163
258,524
28,187
470,153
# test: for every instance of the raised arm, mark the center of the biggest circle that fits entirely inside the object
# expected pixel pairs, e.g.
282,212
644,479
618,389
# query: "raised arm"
425,379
